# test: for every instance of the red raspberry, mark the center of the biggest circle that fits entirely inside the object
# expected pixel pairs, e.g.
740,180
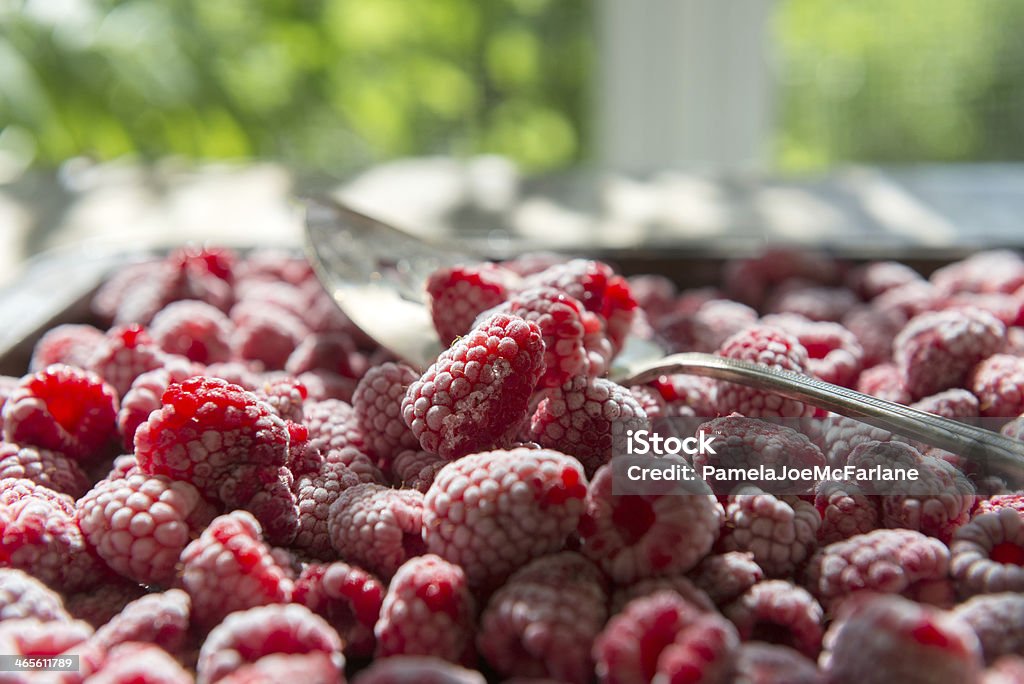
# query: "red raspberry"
332,352
631,537
845,511
651,401
988,554
998,621
815,303
999,501
885,382
542,622
877,277
348,597
229,568
50,469
688,391
377,527
124,354
725,576
680,584
495,511
705,329
778,611
937,503
887,561
137,663
139,524
953,403
457,295
997,382
100,604
285,394
193,329
266,333
476,395
160,619
62,408
842,435
146,396
23,596
586,418
768,347
315,493
334,425
378,409
417,670
251,635
268,494
989,271
875,329
834,354
416,469
781,531
69,344
206,429
428,610
762,663
936,350
882,638
655,294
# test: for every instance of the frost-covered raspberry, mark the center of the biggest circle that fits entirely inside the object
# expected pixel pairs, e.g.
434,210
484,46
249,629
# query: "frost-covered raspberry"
542,621
428,610
348,597
680,584
761,663
161,619
334,352
650,400
884,638
23,596
887,561
687,392
315,493
885,382
378,408
229,568
952,403
833,352
32,637
139,663
492,512
458,294
586,418
872,279
909,300
768,347
266,333
839,436
333,424
44,467
416,469
248,636
1009,309
875,330
780,612
781,532
655,294
937,503
193,329
997,382
936,350
476,395
61,408
845,510
146,396
71,344
994,503
724,576
139,524
285,394
267,493
416,670
635,536
998,621
705,329
988,554
124,354
988,271
377,527
815,303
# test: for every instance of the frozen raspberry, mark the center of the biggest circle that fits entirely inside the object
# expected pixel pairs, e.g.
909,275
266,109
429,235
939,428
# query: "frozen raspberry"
662,637
358,462
417,670
635,536
267,493
781,532
229,568
871,280
875,329
812,302
840,436
416,469
333,352
161,619
494,511
266,333
885,382
741,442
476,395
31,637
680,584
146,396
378,408
195,330
688,391
998,501
285,394
248,636
458,294
845,511
650,400
62,408
909,300
953,403
348,597
988,554
750,279
323,385
542,622
884,638
997,382
98,605
760,663
377,527
139,524
334,425
244,374
586,418
281,667
125,353
998,621
936,350
990,271
887,561
725,576
654,294
779,612
428,611
69,344
206,429
705,329
44,467
23,596
833,352
768,347
315,493
1009,309
937,503
138,663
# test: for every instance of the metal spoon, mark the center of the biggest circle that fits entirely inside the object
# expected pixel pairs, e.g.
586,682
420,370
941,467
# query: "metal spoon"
375,272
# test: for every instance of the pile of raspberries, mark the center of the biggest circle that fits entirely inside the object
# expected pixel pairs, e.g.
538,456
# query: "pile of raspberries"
220,479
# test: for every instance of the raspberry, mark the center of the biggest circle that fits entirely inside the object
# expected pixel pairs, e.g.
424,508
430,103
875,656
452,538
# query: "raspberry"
885,382
243,374
323,385
428,611
229,568
650,400
160,619
842,435
688,391
99,605
815,303
416,469
680,584
834,354
31,637
845,511
378,409
883,638
417,670
989,271
62,408
779,612
997,382
377,527
193,329
47,468
1009,309
762,663
476,395
725,576
780,531
457,295
139,524
953,403
875,329
267,494
749,279
994,503
936,350
871,280
635,536
266,333
662,637
125,353
493,512
988,554
348,597
768,347
542,622
285,394
146,396
654,294
998,621
314,494
908,300
277,667
333,425
741,442
887,561
332,352
937,503
206,429
586,418
705,329
23,596
68,344
1006,670
251,635
134,663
